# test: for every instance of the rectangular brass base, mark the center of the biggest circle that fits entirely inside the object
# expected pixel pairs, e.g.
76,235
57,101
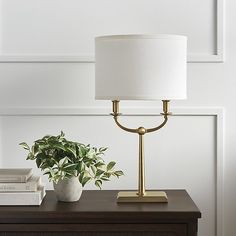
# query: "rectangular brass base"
150,196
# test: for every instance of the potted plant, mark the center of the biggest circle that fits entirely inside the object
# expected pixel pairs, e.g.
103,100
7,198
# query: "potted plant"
70,165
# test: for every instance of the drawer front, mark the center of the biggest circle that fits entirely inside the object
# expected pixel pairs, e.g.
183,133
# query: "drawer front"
93,229
92,234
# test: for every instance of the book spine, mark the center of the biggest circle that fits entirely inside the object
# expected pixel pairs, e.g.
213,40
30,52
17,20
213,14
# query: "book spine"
15,187
23,199
11,179
14,179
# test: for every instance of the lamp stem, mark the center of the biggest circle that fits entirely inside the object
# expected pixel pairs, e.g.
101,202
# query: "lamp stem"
141,184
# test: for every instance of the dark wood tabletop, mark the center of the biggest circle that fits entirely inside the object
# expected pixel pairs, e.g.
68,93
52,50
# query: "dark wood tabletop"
99,206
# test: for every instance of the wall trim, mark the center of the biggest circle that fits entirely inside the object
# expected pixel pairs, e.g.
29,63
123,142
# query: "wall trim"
219,37
78,58
105,110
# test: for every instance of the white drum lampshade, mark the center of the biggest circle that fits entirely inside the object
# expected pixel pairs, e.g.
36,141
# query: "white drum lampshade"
141,67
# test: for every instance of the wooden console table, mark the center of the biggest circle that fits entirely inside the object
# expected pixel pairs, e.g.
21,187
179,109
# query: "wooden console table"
98,214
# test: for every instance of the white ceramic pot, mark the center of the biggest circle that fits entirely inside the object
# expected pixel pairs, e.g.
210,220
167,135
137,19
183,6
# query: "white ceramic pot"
68,190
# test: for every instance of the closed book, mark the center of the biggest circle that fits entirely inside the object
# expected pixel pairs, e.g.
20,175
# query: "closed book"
23,198
30,186
16,175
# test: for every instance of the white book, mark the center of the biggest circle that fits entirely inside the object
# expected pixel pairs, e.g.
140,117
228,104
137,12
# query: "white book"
23,198
16,175
30,186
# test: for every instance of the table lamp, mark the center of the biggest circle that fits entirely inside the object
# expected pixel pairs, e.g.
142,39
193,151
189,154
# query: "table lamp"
140,67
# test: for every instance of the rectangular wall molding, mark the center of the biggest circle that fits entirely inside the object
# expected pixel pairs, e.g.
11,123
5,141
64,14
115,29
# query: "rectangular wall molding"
83,57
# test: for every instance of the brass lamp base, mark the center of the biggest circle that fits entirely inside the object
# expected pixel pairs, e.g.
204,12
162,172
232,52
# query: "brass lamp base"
150,196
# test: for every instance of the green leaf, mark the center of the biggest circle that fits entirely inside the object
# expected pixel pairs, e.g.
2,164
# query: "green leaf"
94,169
102,149
85,180
98,183
107,175
62,134
110,165
80,166
46,137
44,146
105,179
118,173
99,172
81,176
25,146
70,166
40,156
63,161
71,150
30,156
59,146
99,164
98,158
40,141
82,151
35,149
38,162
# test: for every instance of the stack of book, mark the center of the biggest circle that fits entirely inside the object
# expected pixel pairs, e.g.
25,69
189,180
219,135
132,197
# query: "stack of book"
20,187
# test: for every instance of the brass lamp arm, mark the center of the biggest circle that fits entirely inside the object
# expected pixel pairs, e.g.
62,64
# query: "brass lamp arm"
158,127
142,131
137,130
123,127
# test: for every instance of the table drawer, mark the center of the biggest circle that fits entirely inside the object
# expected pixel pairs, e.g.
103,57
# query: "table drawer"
93,229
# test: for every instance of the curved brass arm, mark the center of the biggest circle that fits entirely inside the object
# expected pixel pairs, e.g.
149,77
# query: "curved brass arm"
123,127
137,130
158,127
140,130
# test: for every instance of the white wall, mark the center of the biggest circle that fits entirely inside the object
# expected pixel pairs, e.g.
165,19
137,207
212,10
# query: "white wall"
185,143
